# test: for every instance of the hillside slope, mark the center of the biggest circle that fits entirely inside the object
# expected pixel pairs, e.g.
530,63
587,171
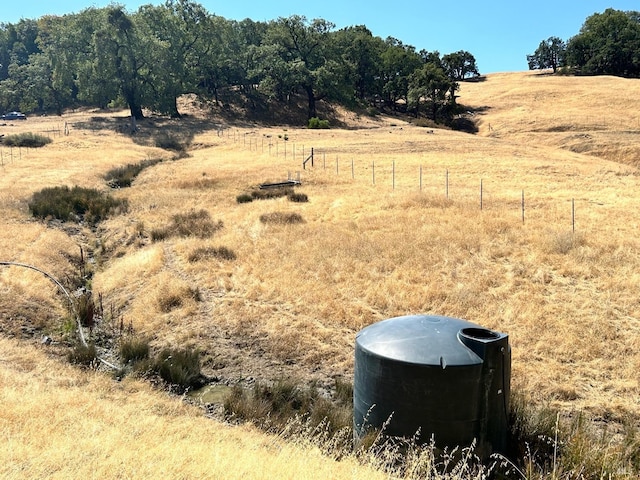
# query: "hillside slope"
393,226
597,116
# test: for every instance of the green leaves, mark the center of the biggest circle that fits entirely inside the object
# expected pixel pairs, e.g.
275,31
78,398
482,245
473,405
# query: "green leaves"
549,54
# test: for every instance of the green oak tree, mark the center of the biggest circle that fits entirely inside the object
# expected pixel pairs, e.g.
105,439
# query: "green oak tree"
550,53
302,50
608,43
429,85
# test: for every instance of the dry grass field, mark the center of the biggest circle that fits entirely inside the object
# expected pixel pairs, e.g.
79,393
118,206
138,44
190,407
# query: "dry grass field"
59,423
393,226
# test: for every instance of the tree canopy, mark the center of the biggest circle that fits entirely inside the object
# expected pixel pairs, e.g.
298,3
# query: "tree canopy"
147,59
608,44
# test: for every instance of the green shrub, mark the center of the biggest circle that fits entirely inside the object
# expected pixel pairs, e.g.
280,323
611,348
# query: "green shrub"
179,367
315,122
202,253
298,197
122,177
281,218
134,349
244,198
27,139
85,355
77,203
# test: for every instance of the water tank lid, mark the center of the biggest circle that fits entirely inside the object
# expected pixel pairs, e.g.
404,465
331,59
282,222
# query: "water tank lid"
423,339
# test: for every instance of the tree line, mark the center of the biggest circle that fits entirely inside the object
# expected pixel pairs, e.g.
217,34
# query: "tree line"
608,44
147,59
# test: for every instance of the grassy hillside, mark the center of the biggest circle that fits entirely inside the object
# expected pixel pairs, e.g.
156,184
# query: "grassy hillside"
393,226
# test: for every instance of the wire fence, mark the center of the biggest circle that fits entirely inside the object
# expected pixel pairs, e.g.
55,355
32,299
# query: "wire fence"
10,154
379,174
394,177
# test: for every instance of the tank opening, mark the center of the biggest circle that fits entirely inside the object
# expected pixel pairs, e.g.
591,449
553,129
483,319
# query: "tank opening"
480,333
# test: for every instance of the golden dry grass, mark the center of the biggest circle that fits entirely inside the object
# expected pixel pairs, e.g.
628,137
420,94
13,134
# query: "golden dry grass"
293,299
60,423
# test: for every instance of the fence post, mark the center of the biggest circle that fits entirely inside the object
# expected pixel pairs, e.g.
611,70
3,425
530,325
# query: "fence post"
352,172
573,215
336,165
522,206
420,177
480,194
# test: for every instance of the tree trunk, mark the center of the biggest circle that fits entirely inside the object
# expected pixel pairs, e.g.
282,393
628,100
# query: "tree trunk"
312,101
136,111
174,108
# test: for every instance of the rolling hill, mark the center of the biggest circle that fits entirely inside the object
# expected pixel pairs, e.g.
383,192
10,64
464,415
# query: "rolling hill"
528,227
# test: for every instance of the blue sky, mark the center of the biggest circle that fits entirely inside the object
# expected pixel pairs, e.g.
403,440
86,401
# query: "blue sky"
499,33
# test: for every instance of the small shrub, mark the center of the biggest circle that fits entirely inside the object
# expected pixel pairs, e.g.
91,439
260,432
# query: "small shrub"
169,301
27,139
134,349
242,405
122,177
344,391
463,124
203,253
316,123
281,218
298,197
85,310
275,405
269,193
425,123
77,203
563,242
244,198
179,367
196,223
159,234
83,355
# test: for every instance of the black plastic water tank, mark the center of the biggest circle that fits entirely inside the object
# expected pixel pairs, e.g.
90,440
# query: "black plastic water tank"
437,377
